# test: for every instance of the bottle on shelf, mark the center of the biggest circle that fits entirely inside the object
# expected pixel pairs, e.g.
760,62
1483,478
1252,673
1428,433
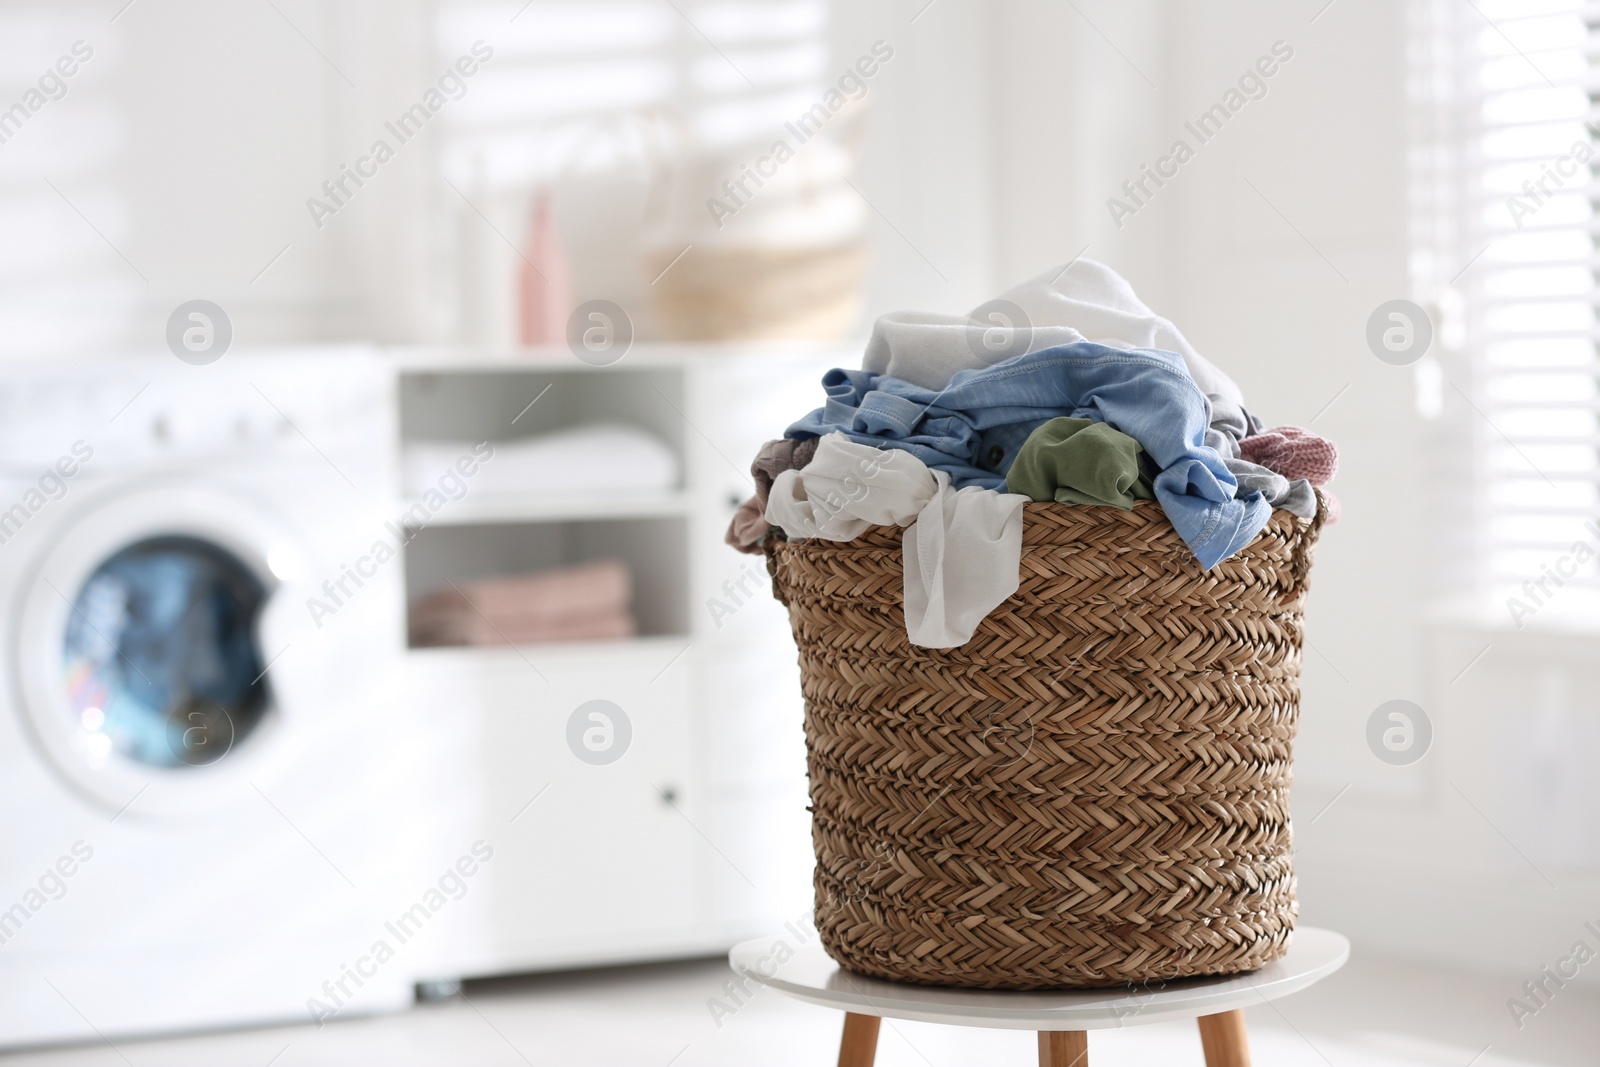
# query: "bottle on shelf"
545,285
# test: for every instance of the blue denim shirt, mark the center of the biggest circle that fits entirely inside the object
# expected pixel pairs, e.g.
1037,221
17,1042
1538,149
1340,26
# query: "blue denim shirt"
974,426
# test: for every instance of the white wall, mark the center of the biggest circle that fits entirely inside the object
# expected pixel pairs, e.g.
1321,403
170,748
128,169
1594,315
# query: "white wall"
924,169
992,139
180,158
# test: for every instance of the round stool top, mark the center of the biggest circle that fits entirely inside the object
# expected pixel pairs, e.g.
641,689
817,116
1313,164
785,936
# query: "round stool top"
803,970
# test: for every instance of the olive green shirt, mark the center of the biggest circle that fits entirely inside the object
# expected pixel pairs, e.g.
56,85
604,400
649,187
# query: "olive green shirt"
1080,461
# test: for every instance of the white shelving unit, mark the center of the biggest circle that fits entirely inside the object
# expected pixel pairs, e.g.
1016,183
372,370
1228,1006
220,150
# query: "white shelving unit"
699,835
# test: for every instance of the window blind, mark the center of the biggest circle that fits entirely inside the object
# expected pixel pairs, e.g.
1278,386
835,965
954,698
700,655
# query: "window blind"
584,85
1505,221
62,143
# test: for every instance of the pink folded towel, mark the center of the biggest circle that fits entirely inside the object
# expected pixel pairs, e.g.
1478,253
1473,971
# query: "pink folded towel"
477,630
1293,453
586,589
584,602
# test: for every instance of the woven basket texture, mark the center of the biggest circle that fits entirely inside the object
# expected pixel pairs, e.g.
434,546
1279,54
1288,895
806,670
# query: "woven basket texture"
751,293
1092,791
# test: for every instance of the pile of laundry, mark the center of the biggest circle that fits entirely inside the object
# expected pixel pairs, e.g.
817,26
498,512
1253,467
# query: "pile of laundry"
586,602
1095,401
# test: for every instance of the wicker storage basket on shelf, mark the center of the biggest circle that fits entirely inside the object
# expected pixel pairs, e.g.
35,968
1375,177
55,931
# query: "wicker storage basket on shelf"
1093,790
753,294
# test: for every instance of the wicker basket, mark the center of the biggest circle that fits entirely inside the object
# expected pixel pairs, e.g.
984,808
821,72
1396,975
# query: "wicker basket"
759,294
1092,791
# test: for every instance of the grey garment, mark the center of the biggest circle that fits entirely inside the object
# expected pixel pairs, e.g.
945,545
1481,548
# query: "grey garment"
1296,496
778,456
1230,424
1301,499
1227,445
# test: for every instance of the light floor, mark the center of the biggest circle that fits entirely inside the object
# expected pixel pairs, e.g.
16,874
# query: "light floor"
1372,1013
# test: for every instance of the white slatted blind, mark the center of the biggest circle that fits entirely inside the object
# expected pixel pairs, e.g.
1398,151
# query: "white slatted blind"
1506,183
584,85
62,285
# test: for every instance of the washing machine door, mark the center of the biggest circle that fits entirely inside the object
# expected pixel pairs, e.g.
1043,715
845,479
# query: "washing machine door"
145,642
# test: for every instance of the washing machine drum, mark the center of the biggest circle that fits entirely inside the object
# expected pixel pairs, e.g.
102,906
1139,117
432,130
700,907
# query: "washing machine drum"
159,660
142,645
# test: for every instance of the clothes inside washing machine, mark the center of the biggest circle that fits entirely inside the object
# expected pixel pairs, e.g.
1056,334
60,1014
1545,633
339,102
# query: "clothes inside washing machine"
160,659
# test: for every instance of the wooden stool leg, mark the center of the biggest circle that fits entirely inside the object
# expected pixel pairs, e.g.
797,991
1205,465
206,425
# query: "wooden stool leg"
1063,1048
859,1045
1223,1038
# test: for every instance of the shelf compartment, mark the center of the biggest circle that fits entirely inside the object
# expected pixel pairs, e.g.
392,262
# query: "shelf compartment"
654,549
507,405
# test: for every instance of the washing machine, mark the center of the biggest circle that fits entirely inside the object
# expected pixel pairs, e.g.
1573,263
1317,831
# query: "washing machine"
208,787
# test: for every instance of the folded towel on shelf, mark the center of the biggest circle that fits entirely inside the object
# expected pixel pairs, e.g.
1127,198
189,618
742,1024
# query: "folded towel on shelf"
582,589
597,458
474,630
580,603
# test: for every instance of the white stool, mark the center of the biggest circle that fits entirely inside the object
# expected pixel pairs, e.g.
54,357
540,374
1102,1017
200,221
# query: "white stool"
1062,1017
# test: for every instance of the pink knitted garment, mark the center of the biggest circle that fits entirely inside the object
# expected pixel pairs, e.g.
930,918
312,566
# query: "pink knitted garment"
1293,453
